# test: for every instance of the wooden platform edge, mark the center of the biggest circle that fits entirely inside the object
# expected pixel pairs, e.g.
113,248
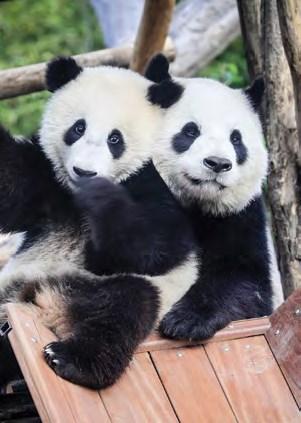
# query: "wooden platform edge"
235,330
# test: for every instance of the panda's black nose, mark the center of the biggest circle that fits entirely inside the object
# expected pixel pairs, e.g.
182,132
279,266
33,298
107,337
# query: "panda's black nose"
81,172
217,164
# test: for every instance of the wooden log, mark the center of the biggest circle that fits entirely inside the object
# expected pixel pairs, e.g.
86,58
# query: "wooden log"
290,23
152,32
28,79
282,140
249,13
201,30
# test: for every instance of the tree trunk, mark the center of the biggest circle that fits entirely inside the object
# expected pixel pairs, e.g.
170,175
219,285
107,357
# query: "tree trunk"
290,24
266,55
282,140
249,13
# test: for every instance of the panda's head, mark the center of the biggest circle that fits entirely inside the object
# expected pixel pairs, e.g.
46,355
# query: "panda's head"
100,121
211,147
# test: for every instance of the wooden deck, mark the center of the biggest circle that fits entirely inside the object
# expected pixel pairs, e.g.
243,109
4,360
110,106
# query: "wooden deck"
233,378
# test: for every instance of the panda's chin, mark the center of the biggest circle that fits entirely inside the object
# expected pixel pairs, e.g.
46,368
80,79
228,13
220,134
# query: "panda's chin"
211,184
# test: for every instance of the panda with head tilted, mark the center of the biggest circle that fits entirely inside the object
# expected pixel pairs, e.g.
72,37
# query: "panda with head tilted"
107,250
212,156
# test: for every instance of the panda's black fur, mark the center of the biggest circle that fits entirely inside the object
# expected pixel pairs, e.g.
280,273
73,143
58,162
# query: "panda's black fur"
235,279
235,275
99,312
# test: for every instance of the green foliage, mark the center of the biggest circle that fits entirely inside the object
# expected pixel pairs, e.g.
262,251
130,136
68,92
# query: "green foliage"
230,67
36,31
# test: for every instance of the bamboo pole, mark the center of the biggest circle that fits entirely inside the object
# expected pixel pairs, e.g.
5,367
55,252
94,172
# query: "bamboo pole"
152,32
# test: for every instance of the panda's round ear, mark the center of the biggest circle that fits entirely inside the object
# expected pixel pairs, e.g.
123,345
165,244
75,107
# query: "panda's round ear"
255,92
157,69
60,71
165,94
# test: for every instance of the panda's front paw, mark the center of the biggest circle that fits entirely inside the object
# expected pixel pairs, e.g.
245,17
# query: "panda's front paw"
61,360
184,323
83,364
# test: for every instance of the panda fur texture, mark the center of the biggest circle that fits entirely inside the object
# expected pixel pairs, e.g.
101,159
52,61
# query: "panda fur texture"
212,156
107,250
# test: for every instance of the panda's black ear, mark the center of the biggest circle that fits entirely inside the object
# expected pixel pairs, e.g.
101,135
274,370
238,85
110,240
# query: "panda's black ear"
165,94
60,71
157,69
255,92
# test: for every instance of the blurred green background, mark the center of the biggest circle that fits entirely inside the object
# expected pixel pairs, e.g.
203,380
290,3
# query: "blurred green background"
35,31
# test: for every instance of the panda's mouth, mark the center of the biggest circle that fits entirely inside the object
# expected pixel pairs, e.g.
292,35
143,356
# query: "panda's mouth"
199,182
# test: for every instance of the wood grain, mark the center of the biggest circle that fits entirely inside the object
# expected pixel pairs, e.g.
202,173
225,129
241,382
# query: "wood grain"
238,329
192,385
28,79
56,399
138,397
284,338
252,381
152,32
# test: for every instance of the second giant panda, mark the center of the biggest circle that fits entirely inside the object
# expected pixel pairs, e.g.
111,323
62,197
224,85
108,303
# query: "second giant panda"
212,156
107,250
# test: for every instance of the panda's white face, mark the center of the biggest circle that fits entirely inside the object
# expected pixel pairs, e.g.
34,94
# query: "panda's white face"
211,147
99,124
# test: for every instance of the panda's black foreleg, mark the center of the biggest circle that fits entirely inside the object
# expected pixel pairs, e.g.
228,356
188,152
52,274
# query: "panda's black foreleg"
107,320
145,235
213,302
25,179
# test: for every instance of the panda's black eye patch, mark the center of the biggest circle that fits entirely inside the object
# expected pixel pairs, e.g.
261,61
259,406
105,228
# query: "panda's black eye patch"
191,130
75,132
236,137
239,147
184,139
116,143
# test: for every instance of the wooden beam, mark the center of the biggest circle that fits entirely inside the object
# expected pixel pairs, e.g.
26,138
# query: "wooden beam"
28,79
152,32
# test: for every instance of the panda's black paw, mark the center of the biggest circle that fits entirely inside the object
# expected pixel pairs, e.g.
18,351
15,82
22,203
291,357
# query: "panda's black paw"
60,359
100,195
184,323
80,364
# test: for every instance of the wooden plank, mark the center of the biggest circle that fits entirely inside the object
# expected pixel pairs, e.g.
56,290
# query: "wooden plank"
284,338
138,397
238,329
252,381
56,399
192,386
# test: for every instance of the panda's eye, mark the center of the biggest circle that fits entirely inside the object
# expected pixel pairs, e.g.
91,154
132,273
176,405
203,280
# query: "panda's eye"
116,143
115,137
75,132
191,130
235,137
80,127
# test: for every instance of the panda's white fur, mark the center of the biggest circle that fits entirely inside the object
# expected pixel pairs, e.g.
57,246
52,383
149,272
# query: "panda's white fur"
107,98
217,109
49,271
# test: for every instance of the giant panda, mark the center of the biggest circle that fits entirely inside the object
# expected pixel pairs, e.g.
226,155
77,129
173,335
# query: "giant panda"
106,249
212,156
